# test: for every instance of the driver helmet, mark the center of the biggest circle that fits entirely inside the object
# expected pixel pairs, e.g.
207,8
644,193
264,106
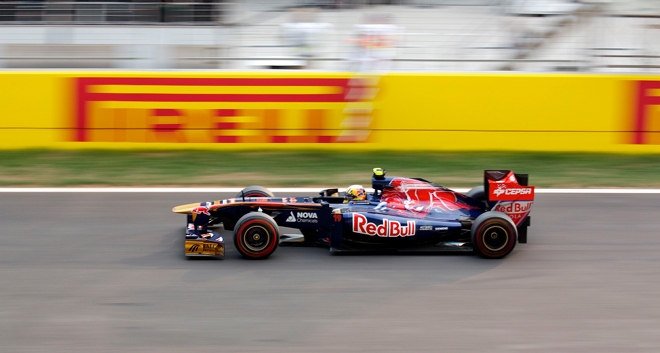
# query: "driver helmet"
356,193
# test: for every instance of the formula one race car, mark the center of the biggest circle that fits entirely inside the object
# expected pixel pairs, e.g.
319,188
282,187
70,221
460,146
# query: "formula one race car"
401,214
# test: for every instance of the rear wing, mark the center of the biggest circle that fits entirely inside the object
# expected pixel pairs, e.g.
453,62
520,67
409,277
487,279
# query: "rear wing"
509,193
505,185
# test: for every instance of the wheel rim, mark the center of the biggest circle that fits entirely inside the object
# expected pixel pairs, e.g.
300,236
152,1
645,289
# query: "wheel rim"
256,238
495,238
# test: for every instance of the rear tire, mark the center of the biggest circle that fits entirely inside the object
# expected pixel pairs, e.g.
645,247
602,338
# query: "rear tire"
494,235
255,191
256,235
478,193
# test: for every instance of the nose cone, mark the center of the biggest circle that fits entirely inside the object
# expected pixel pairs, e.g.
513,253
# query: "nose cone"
185,208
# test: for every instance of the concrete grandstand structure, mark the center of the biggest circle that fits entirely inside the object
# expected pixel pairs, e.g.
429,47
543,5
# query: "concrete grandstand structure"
441,35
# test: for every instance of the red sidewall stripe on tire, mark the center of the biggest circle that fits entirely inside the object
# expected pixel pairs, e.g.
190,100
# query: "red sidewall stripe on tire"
273,235
507,248
255,195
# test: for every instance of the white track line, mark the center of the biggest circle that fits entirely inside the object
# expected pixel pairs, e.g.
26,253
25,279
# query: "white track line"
312,191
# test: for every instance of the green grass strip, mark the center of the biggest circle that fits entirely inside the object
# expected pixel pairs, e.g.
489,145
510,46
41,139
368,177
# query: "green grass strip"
237,169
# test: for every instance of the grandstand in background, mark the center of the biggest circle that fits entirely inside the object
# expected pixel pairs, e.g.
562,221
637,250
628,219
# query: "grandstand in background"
440,35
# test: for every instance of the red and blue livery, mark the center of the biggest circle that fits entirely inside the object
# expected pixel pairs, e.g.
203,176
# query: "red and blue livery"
399,214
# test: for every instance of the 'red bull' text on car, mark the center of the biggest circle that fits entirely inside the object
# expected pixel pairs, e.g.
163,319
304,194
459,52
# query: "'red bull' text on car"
401,214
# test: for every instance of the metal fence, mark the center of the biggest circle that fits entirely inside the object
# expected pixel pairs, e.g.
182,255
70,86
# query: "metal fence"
439,35
112,12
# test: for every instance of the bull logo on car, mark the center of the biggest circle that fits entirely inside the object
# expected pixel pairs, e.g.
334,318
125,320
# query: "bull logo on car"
201,210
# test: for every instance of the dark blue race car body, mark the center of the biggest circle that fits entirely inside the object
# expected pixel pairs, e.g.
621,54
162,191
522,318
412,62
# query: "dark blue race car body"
402,214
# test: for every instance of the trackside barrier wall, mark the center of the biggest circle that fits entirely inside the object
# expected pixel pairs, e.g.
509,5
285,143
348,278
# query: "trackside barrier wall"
340,111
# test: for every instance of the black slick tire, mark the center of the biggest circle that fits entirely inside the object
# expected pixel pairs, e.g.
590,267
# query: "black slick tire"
256,235
478,193
229,222
494,235
255,191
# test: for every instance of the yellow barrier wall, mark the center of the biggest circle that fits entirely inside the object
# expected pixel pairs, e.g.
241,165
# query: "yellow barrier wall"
342,111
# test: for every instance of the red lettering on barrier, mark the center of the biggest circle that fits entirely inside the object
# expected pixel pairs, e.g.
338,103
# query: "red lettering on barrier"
223,124
226,126
166,127
644,100
215,98
98,118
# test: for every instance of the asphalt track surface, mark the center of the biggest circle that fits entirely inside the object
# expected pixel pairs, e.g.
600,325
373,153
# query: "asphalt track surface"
90,272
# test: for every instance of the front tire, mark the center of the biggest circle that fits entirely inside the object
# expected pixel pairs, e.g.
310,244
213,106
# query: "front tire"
229,222
256,235
494,235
